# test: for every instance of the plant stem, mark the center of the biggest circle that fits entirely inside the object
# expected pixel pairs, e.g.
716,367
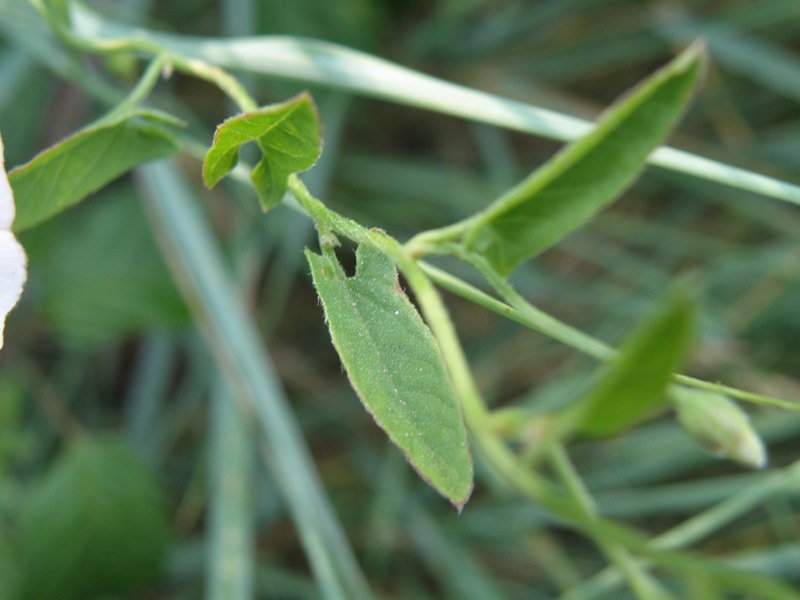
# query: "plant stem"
141,90
640,581
520,310
164,57
611,538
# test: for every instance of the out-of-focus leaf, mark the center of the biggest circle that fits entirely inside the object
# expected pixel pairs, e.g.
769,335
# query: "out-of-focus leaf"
10,576
289,136
66,173
95,526
13,434
634,383
103,274
588,174
394,365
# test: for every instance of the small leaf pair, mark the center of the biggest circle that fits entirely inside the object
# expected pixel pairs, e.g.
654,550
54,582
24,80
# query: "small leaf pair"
289,136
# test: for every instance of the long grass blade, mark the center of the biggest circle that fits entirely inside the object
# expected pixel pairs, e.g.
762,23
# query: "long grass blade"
230,569
197,264
333,65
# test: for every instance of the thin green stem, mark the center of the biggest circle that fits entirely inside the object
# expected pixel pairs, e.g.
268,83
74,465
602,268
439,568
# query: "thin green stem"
579,509
434,241
640,581
219,77
141,90
521,311
563,467
167,58
328,220
610,537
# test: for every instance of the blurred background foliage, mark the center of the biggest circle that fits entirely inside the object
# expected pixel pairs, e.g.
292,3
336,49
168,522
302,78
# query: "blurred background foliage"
103,342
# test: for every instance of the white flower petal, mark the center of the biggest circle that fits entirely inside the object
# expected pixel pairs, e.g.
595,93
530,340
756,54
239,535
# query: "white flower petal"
6,197
12,275
12,257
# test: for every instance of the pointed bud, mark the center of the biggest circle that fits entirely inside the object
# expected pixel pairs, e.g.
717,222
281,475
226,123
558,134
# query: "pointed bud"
719,425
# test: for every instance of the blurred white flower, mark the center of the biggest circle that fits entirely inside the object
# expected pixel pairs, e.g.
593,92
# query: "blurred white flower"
12,257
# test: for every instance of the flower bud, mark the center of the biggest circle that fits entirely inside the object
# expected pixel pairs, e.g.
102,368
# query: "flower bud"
719,425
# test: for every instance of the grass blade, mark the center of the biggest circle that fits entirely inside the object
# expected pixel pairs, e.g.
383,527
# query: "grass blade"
231,549
337,66
197,263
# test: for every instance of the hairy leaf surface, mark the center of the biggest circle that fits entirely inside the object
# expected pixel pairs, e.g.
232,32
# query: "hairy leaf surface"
394,365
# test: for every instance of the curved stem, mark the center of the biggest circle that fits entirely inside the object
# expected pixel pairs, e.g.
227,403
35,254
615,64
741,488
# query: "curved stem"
610,538
163,57
643,584
523,312
141,90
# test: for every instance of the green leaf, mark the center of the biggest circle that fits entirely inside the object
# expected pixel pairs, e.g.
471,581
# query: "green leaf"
587,175
633,385
199,265
394,365
95,526
289,136
81,164
128,287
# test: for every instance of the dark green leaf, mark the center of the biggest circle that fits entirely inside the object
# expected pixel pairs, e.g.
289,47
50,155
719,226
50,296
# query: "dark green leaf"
588,174
394,365
95,526
104,274
633,385
289,136
66,173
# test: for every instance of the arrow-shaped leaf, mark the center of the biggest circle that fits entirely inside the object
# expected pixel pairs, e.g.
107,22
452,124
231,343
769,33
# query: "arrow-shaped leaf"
289,136
394,365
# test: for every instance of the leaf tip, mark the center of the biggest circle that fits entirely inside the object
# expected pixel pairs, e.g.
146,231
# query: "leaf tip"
460,503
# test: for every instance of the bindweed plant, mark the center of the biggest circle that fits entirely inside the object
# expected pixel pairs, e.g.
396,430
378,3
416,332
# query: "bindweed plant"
388,321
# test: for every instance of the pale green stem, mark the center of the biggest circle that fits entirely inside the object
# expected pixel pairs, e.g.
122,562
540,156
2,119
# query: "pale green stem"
476,415
191,66
141,90
520,310
565,470
640,581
